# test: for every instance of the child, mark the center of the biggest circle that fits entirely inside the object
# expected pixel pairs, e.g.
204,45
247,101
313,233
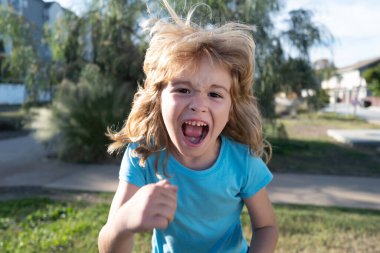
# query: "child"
195,142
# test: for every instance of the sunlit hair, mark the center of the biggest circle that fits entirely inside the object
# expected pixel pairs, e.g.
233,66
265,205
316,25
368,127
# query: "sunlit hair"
175,45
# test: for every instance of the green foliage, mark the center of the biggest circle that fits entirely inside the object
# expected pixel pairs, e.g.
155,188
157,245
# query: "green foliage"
318,100
107,35
118,47
84,110
24,64
327,72
372,77
65,39
298,75
303,34
99,57
20,66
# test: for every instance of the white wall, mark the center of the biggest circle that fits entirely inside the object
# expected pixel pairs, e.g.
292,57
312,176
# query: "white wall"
12,94
349,87
352,80
17,94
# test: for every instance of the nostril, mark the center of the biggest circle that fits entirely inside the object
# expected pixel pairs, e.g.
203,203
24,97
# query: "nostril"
192,108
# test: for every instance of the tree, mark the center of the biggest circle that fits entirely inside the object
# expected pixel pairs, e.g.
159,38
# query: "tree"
20,65
303,33
99,56
298,75
23,64
372,77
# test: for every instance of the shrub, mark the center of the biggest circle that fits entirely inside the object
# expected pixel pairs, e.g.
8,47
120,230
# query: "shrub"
84,110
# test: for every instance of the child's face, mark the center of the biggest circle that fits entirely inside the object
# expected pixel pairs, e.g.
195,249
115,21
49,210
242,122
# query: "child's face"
195,108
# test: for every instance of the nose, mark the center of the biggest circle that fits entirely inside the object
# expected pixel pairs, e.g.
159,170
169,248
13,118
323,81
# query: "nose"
198,103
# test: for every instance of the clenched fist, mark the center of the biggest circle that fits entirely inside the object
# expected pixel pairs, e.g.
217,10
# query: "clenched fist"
152,206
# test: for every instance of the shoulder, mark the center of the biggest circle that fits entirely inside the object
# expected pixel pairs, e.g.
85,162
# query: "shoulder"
133,171
249,170
237,150
241,156
234,146
130,156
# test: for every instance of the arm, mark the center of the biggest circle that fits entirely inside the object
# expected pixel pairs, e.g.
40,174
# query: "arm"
264,228
134,210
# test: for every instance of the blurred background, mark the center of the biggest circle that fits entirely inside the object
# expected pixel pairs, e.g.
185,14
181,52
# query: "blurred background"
69,69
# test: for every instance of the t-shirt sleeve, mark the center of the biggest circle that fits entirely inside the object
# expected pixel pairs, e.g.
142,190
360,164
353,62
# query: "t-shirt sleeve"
130,170
257,177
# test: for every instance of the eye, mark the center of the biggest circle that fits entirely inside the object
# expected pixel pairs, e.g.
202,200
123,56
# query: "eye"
215,95
183,90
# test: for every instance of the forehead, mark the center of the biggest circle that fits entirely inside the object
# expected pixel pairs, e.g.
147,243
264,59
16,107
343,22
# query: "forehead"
204,71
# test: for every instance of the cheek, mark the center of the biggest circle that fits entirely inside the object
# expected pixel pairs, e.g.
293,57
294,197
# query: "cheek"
228,110
223,114
168,111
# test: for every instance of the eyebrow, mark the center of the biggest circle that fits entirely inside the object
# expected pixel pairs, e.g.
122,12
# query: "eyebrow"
220,87
179,81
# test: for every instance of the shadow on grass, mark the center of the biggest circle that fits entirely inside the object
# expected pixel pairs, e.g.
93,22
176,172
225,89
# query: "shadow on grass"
321,157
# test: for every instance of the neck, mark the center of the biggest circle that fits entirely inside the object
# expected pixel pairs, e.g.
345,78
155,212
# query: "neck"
197,163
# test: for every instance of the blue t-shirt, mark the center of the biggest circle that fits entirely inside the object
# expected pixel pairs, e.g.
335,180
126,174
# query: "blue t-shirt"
210,201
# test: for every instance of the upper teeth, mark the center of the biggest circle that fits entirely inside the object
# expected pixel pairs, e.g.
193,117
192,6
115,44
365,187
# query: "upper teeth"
195,123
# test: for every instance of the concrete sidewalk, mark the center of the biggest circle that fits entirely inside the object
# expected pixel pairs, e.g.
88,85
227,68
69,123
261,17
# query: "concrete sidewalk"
357,192
357,138
22,163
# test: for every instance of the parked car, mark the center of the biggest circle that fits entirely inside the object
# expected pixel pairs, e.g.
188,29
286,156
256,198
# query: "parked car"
365,103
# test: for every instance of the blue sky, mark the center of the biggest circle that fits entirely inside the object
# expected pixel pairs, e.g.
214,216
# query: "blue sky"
354,24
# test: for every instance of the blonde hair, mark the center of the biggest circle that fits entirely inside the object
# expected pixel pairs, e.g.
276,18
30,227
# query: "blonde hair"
174,45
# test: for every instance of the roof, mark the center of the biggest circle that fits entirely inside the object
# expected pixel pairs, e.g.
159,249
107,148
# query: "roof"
361,65
49,4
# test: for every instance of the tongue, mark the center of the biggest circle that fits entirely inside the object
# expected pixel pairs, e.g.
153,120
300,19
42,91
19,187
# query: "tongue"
193,131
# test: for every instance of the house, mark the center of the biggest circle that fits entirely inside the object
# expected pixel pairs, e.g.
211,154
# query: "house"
38,13
349,86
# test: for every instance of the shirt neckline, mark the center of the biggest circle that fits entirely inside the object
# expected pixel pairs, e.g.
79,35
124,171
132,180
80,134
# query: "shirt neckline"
175,165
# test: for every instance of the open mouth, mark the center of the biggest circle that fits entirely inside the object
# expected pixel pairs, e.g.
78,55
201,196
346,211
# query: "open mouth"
195,131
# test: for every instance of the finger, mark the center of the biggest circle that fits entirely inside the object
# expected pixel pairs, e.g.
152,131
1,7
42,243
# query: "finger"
171,187
163,182
168,209
166,205
160,222
166,195
166,184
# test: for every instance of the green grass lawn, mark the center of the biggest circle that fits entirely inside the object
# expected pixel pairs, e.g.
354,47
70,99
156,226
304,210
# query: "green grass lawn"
304,147
72,225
